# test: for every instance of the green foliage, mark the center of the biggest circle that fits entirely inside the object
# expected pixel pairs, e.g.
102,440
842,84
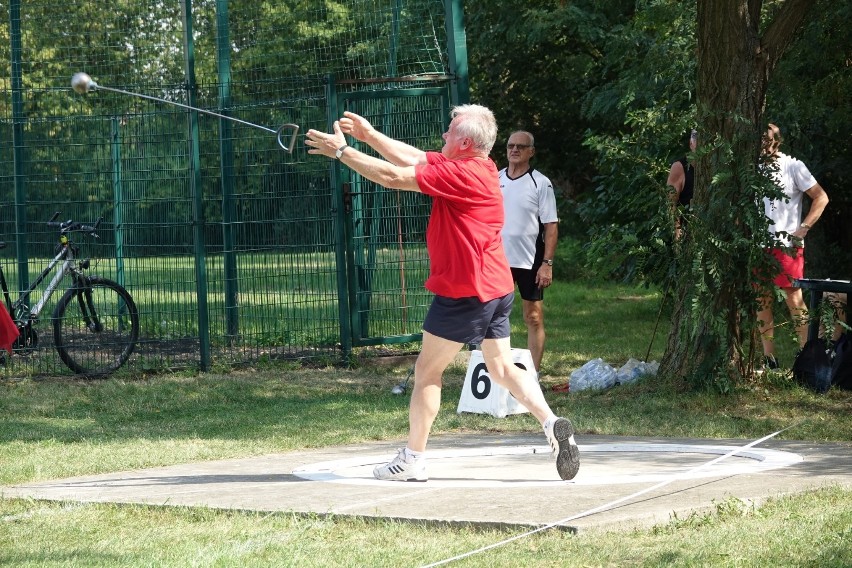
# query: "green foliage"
570,261
625,87
631,227
641,114
650,67
808,99
532,65
638,117
717,265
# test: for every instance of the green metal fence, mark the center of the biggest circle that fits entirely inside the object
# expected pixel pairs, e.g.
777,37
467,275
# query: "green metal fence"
233,249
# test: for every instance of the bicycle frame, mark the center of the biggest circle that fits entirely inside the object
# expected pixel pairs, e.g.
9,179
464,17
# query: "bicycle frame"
95,322
21,313
19,310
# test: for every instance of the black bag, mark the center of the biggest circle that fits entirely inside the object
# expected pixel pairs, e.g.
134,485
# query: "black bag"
812,366
841,366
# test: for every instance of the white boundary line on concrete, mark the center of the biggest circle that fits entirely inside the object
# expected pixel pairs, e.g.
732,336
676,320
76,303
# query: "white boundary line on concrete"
358,470
611,504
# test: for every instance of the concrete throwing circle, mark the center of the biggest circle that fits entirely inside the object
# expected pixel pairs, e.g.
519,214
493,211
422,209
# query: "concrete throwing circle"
533,466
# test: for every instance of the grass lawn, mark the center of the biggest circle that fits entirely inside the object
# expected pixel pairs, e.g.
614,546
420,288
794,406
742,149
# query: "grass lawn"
58,428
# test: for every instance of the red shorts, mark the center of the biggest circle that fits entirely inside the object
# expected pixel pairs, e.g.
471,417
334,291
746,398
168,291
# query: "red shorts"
791,266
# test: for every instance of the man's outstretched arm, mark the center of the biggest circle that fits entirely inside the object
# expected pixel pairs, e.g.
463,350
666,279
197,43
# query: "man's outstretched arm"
374,169
396,152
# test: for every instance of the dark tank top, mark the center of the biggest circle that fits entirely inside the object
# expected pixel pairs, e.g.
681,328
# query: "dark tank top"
688,177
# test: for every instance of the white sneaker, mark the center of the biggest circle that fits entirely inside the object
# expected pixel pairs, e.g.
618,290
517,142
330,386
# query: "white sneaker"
400,469
560,435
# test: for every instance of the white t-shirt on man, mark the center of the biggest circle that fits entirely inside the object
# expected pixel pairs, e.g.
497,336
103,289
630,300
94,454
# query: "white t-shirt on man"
794,179
526,201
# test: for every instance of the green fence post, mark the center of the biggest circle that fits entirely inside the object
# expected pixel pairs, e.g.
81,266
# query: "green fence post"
226,156
197,197
19,156
117,200
457,52
341,229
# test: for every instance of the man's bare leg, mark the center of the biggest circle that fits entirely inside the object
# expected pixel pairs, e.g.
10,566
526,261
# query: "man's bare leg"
497,354
766,323
559,431
534,319
435,356
798,312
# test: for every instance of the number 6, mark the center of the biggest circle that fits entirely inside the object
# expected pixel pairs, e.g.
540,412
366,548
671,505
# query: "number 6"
480,382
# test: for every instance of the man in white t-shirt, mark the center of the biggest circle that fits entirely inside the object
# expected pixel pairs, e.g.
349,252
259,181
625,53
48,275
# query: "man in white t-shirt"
788,228
529,234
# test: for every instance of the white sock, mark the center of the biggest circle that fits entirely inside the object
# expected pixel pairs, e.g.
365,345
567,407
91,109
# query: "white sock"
550,420
411,455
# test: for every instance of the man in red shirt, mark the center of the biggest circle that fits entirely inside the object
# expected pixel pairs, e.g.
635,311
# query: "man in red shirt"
468,271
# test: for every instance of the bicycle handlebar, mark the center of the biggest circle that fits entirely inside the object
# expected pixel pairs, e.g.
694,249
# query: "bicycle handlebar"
69,226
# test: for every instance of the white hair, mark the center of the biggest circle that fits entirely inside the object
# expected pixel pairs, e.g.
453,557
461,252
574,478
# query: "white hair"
478,124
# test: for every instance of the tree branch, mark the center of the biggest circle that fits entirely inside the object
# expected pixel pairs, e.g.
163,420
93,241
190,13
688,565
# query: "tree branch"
754,9
782,29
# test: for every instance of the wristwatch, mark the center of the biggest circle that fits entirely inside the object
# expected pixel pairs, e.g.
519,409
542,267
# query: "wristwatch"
548,261
806,226
340,151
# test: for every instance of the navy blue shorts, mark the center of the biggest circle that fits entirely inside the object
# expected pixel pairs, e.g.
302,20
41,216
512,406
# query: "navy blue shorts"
525,278
467,320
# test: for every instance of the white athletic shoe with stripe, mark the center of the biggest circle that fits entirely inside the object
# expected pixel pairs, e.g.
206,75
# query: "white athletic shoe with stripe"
560,436
399,469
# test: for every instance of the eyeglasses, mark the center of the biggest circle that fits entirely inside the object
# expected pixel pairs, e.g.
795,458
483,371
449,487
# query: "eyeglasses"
518,146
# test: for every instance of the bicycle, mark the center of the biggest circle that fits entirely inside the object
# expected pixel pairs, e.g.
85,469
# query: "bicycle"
95,322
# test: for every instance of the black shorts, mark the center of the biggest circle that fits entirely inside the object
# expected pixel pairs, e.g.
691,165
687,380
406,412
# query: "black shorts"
525,278
467,320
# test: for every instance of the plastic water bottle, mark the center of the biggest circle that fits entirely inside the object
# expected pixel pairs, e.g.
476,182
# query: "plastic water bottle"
593,375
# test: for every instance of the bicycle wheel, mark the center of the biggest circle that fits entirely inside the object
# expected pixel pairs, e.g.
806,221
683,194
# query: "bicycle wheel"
96,328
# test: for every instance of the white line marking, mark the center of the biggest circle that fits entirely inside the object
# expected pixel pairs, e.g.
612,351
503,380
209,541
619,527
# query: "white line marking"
446,466
609,505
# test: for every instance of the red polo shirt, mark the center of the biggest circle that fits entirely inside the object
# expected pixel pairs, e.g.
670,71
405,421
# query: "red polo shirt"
466,255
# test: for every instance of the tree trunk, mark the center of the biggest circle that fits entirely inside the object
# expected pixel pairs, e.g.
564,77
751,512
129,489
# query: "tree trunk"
711,339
